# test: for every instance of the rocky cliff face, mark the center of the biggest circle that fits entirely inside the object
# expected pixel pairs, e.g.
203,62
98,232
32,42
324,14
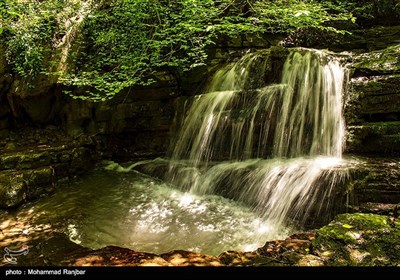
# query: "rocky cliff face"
373,111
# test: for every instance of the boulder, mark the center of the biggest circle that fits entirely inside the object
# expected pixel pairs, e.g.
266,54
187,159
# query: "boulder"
359,240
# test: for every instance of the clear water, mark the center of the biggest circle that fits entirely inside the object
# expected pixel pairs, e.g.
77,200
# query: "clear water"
136,211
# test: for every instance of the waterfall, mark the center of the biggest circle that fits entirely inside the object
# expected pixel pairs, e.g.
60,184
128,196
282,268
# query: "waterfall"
257,157
272,147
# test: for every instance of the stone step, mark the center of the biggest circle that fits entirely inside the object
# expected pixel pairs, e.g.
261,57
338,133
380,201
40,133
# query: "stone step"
381,138
374,180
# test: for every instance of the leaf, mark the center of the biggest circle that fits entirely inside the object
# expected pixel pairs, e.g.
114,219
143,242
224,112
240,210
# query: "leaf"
12,13
347,226
302,13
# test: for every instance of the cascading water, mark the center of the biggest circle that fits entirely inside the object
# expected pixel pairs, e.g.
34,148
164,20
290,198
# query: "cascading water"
271,147
301,116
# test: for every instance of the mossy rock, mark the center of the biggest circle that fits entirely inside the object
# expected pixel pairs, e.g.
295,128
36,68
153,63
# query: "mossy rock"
386,61
359,240
377,95
39,182
24,160
378,37
12,189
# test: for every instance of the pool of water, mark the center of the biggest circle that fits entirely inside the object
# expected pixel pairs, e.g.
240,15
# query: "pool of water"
136,211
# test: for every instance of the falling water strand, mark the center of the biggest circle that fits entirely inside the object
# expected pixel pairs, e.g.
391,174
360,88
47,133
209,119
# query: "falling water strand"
273,147
311,121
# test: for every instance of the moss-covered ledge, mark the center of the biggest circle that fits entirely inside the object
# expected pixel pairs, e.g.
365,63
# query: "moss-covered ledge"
35,162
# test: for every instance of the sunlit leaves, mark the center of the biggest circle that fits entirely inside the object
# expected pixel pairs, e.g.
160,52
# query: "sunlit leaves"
347,226
29,29
131,39
123,42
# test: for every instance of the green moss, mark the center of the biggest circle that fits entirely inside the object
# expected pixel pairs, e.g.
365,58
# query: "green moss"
12,189
39,182
359,239
383,61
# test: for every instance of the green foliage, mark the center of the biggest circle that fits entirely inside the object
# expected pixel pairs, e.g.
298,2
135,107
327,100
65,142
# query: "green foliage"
280,18
28,27
123,42
366,11
128,40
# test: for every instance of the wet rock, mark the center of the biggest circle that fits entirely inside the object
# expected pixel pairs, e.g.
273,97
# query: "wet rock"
375,138
310,260
372,103
375,180
289,251
185,258
24,160
377,95
116,256
379,208
236,258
